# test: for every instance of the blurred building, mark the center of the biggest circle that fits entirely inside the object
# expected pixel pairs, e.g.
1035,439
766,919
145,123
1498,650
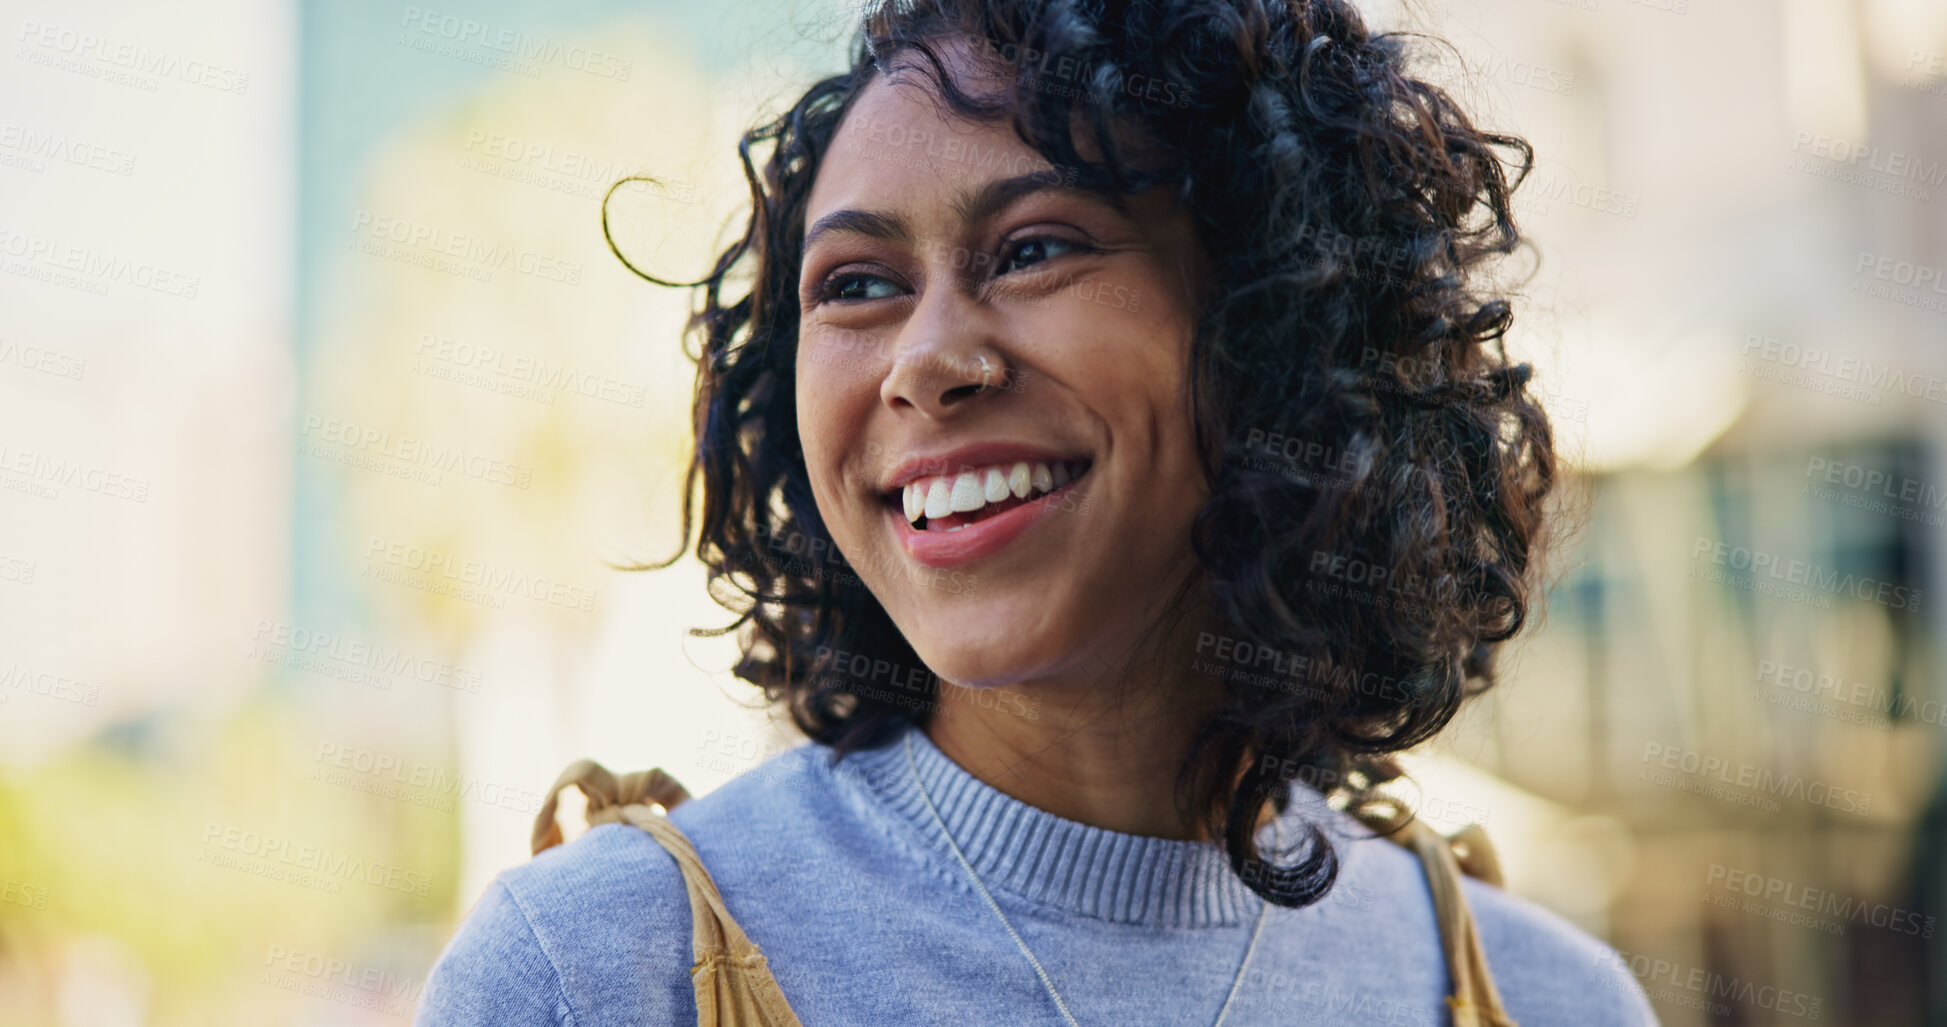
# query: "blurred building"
1737,681
392,444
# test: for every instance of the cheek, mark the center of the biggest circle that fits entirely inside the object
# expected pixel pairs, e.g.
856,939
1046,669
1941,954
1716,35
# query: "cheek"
1130,369
832,408
817,423
1139,371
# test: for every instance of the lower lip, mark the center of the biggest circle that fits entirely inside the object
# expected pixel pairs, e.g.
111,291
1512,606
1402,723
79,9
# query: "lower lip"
978,540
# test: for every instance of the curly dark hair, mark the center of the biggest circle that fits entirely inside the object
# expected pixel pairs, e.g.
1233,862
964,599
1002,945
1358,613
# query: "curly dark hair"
1378,468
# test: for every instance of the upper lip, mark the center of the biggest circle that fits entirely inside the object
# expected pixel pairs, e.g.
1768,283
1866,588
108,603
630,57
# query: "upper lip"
967,458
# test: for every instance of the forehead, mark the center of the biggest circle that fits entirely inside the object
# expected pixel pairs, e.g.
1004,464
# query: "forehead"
900,140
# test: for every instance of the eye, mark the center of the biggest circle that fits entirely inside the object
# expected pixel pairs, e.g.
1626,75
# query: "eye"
1029,252
855,285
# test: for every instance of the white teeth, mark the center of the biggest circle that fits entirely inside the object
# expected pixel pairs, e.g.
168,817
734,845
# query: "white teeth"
1043,481
971,490
939,501
996,485
967,493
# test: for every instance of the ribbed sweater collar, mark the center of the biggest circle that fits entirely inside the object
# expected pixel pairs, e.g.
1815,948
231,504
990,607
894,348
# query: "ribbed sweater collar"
1045,859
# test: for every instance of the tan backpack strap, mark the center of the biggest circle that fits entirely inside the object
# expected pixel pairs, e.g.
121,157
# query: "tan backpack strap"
607,796
1475,1001
1476,855
731,979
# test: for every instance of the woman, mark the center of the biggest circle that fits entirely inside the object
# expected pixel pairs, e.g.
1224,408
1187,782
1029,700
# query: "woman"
1111,461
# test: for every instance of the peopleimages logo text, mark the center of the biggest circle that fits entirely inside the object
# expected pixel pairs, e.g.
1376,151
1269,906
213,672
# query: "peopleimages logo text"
515,43
1755,778
435,563
1798,572
1819,900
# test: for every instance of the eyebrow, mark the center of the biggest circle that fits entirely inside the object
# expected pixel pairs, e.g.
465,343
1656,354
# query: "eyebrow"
869,223
974,206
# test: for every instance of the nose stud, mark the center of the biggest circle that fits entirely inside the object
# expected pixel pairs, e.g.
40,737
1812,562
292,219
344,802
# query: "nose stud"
986,372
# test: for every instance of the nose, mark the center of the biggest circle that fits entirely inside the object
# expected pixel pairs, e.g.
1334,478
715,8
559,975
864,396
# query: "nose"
947,357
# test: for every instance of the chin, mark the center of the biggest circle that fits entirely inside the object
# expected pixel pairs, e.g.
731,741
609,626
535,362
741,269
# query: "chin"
982,649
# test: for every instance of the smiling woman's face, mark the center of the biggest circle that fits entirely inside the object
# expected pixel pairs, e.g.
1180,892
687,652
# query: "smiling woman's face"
941,253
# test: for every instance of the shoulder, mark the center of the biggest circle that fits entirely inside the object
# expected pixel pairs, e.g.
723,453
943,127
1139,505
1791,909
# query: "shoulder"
1549,970
493,970
785,792
604,922
566,935
1546,969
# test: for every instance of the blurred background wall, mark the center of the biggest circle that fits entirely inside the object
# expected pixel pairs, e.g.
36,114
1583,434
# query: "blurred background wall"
326,416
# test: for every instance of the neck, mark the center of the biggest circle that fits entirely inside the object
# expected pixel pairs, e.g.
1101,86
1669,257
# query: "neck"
1104,748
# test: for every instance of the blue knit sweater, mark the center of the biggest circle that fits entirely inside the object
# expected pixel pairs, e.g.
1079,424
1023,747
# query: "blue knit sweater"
840,875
